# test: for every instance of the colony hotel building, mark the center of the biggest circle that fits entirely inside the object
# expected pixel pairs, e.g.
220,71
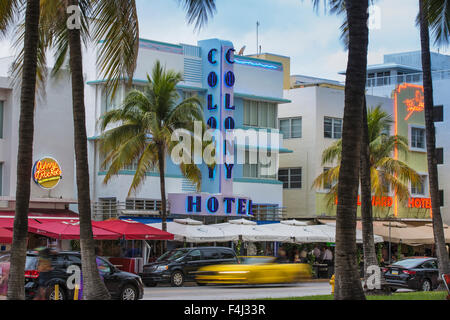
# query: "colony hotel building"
238,92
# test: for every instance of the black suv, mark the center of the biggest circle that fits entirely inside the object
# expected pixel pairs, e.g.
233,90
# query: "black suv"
121,285
179,265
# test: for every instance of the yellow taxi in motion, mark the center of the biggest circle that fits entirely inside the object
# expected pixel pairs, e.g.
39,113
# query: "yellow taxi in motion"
254,270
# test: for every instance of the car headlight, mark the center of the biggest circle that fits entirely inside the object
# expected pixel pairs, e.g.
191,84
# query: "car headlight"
162,268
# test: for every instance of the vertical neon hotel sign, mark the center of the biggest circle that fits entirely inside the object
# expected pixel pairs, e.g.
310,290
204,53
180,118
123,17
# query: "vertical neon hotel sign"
220,114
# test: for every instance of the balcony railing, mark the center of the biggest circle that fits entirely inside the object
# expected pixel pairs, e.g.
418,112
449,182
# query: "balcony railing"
408,78
105,210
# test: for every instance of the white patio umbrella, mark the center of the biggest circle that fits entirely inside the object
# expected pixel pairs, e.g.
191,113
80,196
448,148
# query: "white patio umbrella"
329,230
250,231
298,232
194,231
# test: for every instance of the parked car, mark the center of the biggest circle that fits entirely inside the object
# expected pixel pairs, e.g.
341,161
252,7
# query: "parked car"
179,265
121,285
254,270
416,273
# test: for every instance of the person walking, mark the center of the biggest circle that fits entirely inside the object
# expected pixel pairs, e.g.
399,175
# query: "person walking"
44,267
327,259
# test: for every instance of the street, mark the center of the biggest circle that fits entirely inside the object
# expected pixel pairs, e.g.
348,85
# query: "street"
235,292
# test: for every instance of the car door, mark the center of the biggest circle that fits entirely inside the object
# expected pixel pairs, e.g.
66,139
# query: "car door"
430,271
433,272
192,262
109,276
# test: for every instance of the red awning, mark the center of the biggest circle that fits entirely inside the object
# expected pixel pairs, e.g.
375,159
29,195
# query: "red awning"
5,236
133,230
70,230
8,223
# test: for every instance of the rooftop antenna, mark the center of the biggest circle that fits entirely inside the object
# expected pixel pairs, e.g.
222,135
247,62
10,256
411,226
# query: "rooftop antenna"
257,38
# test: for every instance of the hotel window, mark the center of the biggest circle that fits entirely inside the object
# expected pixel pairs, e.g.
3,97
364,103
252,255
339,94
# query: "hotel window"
291,178
291,128
254,170
438,113
260,114
371,80
400,77
332,128
383,78
109,104
418,138
419,187
1,119
440,155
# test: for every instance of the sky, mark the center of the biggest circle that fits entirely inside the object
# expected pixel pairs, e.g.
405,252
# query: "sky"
287,27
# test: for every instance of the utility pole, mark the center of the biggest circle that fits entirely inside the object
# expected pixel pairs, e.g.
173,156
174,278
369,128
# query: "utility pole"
257,38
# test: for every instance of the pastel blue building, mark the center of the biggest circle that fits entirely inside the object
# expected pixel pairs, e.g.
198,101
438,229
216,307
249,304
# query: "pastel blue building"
238,93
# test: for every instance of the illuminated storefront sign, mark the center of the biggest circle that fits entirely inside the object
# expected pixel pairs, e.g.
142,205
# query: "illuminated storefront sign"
388,202
47,173
415,104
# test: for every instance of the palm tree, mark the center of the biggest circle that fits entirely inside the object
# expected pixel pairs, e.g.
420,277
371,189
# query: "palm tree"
386,173
8,13
147,121
116,23
438,12
379,172
369,252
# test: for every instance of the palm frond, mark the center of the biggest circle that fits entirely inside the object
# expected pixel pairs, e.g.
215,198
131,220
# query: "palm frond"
116,29
198,11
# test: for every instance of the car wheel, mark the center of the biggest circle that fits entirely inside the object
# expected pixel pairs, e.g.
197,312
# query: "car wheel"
51,294
129,292
177,279
426,285
150,284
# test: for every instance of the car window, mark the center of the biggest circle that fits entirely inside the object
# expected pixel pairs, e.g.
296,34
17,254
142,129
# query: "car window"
58,261
408,263
72,259
173,255
195,255
227,254
429,265
211,254
103,266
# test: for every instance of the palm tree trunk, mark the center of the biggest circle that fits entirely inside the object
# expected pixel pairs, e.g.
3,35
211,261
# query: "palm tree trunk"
438,228
348,283
162,182
16,289
370,255
93,286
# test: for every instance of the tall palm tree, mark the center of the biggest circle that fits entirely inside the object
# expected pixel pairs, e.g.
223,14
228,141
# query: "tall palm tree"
386,173
348,285
369,252
438,12
147,121
9,11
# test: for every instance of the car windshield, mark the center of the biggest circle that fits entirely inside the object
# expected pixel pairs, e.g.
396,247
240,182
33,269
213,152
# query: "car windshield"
173,255
256,260
408,263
